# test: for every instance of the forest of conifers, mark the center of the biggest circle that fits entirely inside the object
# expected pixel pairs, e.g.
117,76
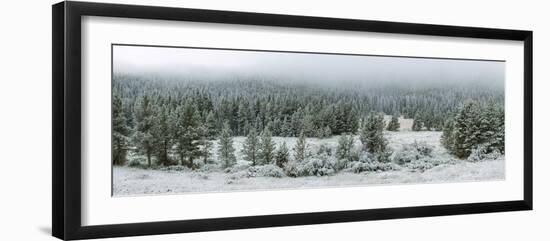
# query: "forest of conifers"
157,116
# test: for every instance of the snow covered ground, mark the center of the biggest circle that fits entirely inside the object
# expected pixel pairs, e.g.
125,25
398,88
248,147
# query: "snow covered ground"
134,181
137,181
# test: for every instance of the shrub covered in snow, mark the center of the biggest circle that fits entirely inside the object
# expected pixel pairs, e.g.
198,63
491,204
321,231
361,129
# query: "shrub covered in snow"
175,168
241,166
324,150
484,152
317,167
291,168
134,163
210,168
420,165
413,152
373,166
322,165
366,162
268,170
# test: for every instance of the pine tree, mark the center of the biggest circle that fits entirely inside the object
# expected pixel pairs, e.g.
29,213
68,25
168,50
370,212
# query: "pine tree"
226,152
372,137
211,126
281,157
307,126
417,123
492,127
251,147
242,116
204,143
120,133
162,136
187,136
300,148
345,143
327,132
286,129
447,138
267,147
467,133
394,124
143,137
475,125
498,138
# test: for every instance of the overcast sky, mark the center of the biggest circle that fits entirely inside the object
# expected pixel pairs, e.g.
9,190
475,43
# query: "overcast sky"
314,68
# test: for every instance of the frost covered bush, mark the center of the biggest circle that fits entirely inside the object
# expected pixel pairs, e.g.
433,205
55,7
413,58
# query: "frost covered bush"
420,165
175,168
314,166
317,167
291,168
268,170
374,166
423,148
324,150
413,152
424,164
367,162
237,168
134,163
483,152
210,168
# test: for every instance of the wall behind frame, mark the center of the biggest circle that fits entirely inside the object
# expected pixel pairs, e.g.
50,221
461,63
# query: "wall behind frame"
25,126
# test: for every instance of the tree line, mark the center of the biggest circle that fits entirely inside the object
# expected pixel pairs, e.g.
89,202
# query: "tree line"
159,116
290,109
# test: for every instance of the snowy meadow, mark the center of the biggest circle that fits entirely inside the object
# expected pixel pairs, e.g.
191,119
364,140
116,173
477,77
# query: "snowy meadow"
207,120
211,178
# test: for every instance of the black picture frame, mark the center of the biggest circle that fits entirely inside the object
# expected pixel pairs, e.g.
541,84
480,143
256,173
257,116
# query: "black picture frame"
66,127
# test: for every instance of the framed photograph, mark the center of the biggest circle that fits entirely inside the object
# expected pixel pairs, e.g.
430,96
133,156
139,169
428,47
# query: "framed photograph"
172,120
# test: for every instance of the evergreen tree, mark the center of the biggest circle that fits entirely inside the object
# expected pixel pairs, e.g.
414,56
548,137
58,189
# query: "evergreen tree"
498,138
242,116
300,148
417,123
211,126
143,137
162,136
204,143
467,132
447,138
492,127
345,143
251,147
394,124
327,132
267,147
187,136
281,157
473,126
320,133
307,126
226,152
372,137
286,128
120,133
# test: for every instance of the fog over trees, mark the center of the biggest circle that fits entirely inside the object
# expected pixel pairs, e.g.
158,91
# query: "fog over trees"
170,104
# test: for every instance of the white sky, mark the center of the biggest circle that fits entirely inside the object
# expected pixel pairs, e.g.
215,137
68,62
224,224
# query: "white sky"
304,67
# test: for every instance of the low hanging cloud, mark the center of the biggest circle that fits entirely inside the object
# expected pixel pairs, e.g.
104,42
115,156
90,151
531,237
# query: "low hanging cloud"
307,68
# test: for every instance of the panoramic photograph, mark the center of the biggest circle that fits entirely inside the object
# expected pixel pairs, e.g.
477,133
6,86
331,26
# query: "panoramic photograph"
197,120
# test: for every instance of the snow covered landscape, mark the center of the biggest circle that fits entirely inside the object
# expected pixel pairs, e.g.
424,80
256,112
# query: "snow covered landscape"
191,120
136,181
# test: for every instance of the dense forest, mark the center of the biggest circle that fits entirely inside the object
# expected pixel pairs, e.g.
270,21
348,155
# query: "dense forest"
292,108
159,116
